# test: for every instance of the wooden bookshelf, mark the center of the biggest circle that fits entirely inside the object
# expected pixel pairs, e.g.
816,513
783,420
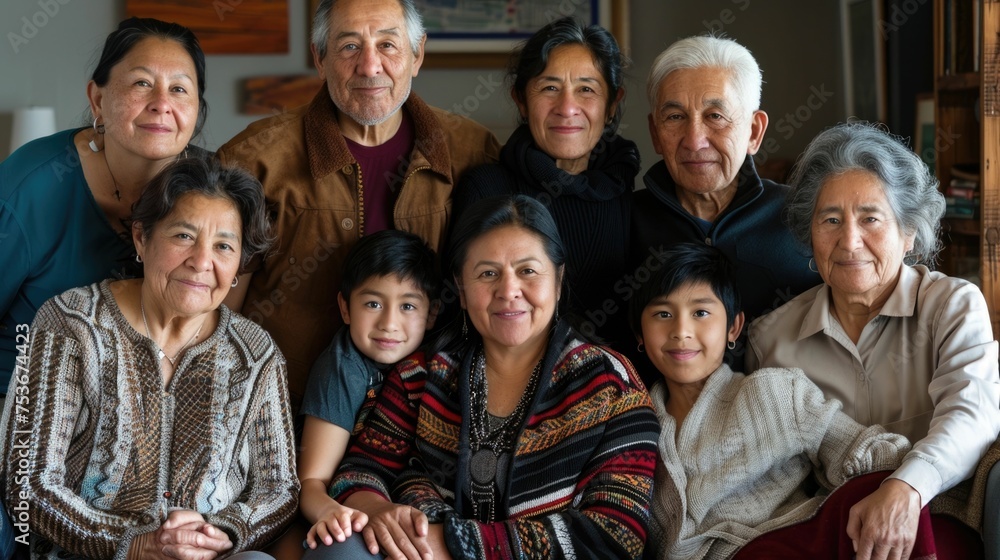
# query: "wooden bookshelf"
967,124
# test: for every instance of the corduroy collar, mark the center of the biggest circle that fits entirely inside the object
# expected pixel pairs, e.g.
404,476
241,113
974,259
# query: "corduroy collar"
328,152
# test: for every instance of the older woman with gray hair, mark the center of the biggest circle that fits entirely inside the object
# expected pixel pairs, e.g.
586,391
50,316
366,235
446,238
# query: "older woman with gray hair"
159,419
897,343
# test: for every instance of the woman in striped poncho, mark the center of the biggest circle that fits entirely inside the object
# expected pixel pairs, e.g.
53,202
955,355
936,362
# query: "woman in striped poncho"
518,439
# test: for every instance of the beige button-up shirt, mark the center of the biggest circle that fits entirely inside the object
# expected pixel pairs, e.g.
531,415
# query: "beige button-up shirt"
925,367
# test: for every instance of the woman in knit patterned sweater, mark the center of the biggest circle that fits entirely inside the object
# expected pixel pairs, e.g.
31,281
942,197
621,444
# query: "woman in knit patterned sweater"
147,420
519,439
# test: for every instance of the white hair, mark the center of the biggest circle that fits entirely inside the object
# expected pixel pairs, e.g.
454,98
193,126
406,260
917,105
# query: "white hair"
709,52
321,25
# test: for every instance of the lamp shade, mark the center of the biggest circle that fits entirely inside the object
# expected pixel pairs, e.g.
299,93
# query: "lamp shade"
31,123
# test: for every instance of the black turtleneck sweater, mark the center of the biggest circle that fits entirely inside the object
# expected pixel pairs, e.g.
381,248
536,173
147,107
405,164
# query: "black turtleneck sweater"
592,211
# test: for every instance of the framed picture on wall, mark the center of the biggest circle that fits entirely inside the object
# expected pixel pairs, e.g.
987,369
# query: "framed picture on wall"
224,27
481,33
864,59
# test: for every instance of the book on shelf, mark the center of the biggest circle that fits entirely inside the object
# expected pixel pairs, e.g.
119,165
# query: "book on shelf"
961,208
967,193
965,171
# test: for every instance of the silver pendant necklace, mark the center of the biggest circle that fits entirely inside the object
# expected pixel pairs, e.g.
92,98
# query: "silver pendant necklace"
492,446
160,353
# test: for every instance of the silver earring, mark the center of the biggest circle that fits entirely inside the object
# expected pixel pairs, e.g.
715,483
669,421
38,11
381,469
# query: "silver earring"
465,325
641,348
99,129
731,345
138,259
812,265
236,282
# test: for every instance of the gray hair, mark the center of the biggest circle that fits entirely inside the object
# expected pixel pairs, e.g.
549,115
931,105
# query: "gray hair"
709,52
910,188
321,25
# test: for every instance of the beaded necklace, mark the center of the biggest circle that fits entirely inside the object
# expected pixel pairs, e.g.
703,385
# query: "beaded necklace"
491,447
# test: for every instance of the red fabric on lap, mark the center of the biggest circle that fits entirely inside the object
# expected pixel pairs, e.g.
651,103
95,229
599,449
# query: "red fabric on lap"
825,535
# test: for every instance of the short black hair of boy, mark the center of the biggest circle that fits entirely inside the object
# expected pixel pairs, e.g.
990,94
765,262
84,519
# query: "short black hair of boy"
387,253
687,263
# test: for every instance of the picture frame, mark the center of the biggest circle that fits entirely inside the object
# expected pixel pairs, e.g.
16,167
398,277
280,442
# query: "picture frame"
224,26
864,60
462,46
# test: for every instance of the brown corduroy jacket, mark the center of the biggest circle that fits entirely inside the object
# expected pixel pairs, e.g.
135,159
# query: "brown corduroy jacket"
312,184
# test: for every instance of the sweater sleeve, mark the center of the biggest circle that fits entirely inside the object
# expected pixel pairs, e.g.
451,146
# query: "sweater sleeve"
608,515
380,451
270,498
48,404
839,447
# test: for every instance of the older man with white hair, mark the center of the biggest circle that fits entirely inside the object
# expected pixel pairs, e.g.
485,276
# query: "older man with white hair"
364,156
706,123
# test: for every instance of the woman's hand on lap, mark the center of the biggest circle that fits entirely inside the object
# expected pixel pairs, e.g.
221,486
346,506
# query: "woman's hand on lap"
883,525
336,523
398,532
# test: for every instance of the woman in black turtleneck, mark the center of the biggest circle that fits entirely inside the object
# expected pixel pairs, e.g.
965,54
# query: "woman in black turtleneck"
567,84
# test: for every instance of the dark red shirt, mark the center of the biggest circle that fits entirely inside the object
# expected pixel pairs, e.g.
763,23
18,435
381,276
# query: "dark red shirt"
383,169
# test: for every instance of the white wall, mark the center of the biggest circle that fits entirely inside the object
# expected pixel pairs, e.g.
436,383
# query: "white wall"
797,45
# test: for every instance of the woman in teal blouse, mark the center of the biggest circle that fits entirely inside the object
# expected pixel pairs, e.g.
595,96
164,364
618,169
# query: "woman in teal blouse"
64,199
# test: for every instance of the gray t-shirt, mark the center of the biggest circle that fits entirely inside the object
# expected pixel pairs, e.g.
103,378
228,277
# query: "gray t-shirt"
340,382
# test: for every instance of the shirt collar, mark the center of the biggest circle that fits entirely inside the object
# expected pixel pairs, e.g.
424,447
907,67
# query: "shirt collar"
902,302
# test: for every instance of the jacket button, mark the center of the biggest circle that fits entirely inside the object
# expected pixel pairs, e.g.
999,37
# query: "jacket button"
346,170
347,223
708,241
146,519
291,260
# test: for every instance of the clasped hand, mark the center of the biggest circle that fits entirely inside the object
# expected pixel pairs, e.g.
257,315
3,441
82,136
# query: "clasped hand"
185,535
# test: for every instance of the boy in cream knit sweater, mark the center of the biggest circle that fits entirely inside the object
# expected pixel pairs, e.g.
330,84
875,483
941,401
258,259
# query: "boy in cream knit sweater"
736,452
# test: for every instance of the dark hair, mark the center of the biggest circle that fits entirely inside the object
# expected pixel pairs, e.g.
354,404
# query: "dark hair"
206,176
391,252
132,31
532,57
481,218
683,264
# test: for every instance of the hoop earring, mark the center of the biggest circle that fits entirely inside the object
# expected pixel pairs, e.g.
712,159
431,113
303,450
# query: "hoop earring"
99,129
812,265
138,259
236,282
731,345
641,348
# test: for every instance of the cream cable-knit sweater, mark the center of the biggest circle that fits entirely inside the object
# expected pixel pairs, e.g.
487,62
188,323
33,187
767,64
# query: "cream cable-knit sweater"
101,450
735,470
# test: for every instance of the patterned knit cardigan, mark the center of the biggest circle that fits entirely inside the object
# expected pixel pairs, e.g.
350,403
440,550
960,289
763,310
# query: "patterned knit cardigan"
579,484
100,450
